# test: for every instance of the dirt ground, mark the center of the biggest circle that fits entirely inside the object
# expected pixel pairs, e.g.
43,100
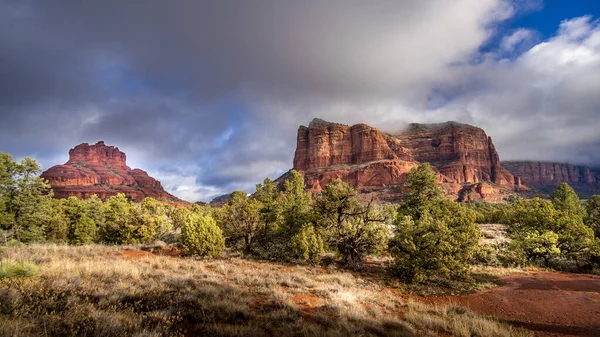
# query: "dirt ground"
547,303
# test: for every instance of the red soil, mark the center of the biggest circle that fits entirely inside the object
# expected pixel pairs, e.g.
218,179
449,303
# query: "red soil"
135,254
547,303
307,303
139,254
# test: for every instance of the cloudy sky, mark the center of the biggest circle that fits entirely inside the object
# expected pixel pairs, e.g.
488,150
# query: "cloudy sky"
207,95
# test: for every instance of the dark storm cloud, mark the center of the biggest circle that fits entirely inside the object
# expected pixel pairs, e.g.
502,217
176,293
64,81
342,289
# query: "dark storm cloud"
218,88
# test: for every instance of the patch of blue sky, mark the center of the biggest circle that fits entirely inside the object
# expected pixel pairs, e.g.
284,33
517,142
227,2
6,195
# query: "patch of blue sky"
224,136
117,79
236,114
543,21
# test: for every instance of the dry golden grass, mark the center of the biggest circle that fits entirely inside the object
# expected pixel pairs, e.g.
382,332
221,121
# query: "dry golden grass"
102,291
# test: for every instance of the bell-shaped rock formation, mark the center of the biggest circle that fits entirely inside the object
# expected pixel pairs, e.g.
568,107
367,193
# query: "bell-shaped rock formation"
102,170
373,161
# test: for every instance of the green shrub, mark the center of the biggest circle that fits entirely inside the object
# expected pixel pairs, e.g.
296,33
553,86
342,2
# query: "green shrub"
14,243
435,238
307,244
535,245
352,227
12,269
200,235
434,248
84,231
536,226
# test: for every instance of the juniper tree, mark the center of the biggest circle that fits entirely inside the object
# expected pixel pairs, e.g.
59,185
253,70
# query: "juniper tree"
352,227
25,199
434,237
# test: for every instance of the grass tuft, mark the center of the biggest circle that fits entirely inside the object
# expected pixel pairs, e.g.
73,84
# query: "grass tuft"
13,269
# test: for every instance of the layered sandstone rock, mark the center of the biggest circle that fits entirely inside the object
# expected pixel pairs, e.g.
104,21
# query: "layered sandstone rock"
373,161
102,170
545,176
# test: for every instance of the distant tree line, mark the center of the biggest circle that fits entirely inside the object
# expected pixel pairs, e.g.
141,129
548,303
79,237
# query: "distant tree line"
427,237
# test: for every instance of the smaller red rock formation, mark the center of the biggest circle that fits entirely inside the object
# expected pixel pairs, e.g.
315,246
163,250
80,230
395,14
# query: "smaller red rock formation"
546,176
102,170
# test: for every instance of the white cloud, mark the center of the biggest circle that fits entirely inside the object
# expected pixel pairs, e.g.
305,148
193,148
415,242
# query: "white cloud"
510,42
544,104
262,68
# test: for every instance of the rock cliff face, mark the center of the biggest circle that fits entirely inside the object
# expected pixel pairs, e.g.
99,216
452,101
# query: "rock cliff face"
101,170
545,176
373,161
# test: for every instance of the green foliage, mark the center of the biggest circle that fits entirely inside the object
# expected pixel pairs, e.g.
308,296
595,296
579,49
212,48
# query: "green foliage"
179,215
566,200
295,204
533,245
117,215
354,229
57,229
434,238
281,215
200,235
267,195
81,228
438,246
94,209
12,269
25,199
241,221
84,231
592,219
153,216
423,191
14,243
490,213
531,221
307,244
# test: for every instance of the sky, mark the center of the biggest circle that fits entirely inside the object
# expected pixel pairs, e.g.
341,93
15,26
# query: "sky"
206,96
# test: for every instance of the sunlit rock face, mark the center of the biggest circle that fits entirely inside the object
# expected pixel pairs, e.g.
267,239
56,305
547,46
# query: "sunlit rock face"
102,170
545,176
464,156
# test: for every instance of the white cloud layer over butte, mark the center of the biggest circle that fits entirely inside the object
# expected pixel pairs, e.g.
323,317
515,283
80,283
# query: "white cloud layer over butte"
207,96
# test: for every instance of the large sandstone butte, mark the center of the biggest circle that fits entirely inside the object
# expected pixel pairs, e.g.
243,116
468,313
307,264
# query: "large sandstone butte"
464,156
546,176
101,170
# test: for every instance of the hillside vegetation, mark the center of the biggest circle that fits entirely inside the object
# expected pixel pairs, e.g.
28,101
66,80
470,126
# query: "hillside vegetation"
63,270
97,290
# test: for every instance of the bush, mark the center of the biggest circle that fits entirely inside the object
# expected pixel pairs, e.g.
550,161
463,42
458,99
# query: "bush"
535,224
435,238
434,248
535,245
84,231
200,235
14,243
351,226
307,244
12,269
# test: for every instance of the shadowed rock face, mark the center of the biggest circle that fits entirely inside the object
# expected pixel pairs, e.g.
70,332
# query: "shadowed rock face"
546,176
373,161
102,170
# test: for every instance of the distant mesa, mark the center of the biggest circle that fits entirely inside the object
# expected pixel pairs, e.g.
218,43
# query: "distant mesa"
220,200
546,176
377,163
102,170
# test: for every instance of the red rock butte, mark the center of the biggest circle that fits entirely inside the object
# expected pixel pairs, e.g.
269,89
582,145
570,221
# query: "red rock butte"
102,170
546,176
464,156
